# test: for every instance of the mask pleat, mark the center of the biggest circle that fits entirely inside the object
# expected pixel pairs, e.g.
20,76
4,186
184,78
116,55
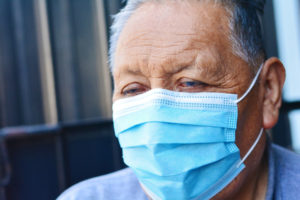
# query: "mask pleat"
208,116
162,160
159,133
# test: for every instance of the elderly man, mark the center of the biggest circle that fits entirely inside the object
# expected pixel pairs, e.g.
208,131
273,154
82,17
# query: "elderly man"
194,96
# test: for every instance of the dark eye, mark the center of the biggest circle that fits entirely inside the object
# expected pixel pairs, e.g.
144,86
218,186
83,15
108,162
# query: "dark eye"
133,89
186,84
189,83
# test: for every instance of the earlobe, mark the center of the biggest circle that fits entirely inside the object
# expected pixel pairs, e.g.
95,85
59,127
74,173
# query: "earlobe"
272,80
270,115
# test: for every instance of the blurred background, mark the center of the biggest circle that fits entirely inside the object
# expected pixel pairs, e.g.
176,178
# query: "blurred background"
55,91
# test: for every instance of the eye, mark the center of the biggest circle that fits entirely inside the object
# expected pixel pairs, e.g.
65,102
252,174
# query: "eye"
133,89
186,84
189,84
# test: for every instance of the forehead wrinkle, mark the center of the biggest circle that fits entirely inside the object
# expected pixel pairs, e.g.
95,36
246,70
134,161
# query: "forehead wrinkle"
146,38
171,62
168,59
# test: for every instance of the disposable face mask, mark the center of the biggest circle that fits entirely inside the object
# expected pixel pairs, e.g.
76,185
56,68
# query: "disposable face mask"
181,145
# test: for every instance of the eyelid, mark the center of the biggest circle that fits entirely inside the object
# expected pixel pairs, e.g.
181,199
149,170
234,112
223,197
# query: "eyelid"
133,86
196,86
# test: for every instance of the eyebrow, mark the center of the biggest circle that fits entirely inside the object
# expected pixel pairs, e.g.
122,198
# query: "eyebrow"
181,68
173,65
131,71
172,70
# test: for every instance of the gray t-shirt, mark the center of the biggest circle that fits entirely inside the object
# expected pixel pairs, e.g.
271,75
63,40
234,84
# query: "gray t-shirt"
283,181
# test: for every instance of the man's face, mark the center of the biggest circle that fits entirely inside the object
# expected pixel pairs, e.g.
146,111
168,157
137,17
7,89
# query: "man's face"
185,46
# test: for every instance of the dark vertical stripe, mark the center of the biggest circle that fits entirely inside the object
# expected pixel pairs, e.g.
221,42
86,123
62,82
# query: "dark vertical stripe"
27,62
64,62
86,62
9,92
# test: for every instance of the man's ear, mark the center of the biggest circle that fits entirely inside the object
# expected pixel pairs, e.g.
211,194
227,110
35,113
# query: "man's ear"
272,80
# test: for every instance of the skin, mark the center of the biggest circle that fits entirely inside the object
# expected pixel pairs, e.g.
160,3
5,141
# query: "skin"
184,46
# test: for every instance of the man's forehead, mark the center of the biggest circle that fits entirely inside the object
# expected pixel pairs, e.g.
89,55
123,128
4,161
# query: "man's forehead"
165,17
171,31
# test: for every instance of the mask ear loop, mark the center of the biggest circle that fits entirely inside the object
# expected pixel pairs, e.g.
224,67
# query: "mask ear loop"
251,148
251,85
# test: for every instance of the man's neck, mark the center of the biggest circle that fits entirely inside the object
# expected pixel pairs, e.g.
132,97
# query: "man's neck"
256,188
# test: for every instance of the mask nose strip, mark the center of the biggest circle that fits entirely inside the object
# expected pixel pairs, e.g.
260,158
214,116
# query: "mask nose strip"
251,85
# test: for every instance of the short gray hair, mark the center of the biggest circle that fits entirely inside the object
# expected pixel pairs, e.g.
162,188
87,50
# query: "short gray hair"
244,23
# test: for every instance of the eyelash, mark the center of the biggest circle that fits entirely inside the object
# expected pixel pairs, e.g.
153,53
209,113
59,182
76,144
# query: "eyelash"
133,89
192,84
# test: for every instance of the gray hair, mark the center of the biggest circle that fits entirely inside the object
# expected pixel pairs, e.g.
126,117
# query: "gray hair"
244,24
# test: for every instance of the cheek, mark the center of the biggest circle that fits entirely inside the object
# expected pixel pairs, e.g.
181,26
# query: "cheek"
249,122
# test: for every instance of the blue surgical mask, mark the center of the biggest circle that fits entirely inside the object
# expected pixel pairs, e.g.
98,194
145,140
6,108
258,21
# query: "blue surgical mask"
181,145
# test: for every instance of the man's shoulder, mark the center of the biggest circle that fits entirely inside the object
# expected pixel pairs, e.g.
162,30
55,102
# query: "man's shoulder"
286,159
287,173
119,185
